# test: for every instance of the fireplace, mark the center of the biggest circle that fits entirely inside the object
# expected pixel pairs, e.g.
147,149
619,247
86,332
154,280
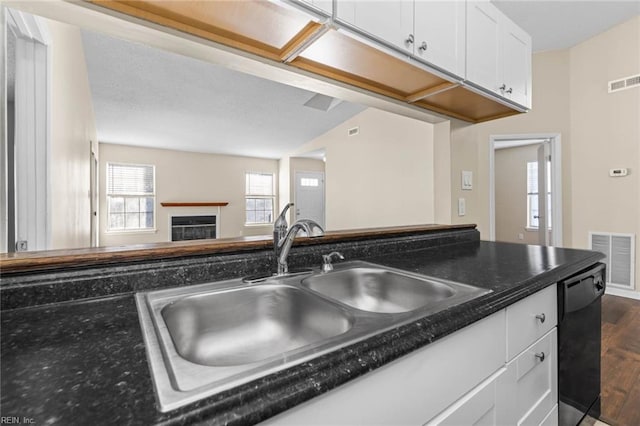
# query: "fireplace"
193,227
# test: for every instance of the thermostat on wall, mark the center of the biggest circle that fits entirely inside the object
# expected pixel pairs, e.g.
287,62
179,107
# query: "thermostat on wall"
617,172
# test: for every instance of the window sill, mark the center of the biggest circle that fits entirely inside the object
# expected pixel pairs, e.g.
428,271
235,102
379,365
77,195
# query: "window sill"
257,225
131,231
534,229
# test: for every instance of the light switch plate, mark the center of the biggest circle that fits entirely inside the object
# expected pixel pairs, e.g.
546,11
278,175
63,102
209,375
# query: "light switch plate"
467,180
462,207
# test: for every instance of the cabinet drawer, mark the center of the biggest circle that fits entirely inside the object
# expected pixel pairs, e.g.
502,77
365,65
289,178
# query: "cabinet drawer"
477,408
528,390
529,319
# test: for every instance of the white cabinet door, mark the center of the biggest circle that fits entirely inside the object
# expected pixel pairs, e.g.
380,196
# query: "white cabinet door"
515,54
552,418
483,39
528,391
498,53
324,5
440,34
388,21
414,389
476,408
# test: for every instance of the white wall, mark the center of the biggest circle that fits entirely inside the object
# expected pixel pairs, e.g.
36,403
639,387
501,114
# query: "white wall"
442,172
599,131
284,185
186,177
384,176
606,133
72,130
550,114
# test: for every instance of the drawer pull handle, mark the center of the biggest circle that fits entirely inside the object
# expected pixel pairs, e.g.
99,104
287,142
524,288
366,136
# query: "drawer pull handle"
540,356
541,317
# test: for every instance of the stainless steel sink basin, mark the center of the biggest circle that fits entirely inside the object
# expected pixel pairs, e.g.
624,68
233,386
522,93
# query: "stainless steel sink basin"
207,338
379,290
246,325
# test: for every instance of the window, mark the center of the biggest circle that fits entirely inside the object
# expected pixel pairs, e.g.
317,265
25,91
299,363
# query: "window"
130,197
532,195
309,182
260,198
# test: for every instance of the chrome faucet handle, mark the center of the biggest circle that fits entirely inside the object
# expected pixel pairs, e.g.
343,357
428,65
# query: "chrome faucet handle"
308,226
327,266
280,228
281,221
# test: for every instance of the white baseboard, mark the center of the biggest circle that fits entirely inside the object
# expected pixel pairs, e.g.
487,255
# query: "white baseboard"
613,291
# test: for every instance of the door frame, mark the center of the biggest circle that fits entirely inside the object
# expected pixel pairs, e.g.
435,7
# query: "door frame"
514,140
33,204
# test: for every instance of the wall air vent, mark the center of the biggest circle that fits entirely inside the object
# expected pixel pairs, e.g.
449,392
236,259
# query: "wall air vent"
624,83
619,250
354,131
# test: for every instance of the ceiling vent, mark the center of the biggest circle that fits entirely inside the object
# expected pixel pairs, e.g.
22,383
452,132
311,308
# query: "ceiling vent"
354,131
624,83
322,102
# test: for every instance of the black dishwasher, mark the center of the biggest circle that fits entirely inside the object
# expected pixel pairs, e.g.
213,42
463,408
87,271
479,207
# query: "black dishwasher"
579,334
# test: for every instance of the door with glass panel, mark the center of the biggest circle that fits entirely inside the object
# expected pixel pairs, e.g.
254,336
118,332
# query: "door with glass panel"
309,196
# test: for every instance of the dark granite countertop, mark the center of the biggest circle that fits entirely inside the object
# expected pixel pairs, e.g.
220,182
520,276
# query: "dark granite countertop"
84,362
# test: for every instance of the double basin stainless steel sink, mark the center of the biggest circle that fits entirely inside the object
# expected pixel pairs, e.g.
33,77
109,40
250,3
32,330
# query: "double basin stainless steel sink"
207,338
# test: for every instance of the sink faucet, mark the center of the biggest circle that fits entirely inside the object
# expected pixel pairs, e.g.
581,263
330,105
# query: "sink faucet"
285,243
280,229
327,266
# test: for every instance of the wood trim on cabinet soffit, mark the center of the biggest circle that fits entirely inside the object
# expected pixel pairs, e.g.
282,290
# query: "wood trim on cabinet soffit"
287,35
466,103
259,27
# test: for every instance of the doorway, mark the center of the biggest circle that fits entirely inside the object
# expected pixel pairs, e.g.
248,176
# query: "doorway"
309,196
525,189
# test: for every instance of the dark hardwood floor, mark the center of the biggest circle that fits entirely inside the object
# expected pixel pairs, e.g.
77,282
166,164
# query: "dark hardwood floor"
620,361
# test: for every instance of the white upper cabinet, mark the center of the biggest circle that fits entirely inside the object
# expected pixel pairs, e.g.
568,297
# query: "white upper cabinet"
388,21
472,40
432,31
324,5
483,36
439,30
516,63
498,53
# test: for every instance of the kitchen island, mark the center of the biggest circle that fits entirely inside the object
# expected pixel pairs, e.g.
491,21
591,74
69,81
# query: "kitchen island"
84,362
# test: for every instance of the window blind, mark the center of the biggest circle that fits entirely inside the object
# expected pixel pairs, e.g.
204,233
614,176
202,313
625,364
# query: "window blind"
259,184
130,179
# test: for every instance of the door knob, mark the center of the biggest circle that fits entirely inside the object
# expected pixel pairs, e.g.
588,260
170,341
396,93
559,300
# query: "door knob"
510,90
423,46
540,356
409,39
541,317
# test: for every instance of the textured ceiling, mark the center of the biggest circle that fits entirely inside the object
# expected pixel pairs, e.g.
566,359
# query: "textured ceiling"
557,24
148,97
